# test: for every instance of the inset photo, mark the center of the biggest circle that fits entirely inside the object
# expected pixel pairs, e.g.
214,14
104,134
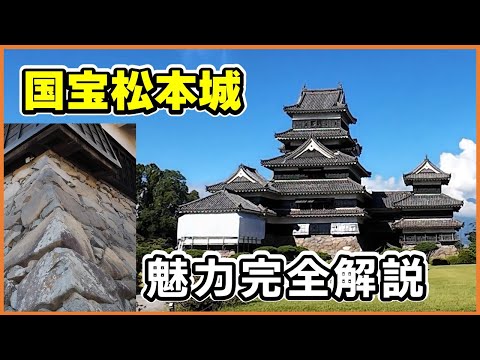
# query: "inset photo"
69,229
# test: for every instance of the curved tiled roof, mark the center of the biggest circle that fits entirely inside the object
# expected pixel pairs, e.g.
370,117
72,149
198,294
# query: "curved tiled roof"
242,183
295,187
386,199
426,171
222,202
301,134
427,201
313,153
320,100
320,186
426,176
407,199
427,224
305,155
240,186
284,161
253,173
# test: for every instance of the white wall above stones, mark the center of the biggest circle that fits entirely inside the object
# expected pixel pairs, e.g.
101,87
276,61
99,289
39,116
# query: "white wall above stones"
208,225
230,225
69,240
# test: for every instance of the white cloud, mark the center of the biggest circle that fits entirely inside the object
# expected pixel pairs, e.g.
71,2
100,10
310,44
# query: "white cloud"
463,183
378,183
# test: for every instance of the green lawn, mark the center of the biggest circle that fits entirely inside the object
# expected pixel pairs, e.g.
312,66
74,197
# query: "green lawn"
452,288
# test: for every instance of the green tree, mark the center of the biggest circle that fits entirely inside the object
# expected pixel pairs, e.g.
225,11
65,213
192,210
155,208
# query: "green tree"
159,193
427,247
472,247
472,238
392,248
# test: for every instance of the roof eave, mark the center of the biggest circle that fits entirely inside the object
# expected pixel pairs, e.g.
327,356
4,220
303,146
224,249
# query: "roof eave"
211,187
222,211
455,207
365,171
400,226
267,165
338,192
443,178
327,215
293,111
353,120
333,137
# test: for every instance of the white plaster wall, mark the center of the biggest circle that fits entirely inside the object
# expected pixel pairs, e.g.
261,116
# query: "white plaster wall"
205,225
252,226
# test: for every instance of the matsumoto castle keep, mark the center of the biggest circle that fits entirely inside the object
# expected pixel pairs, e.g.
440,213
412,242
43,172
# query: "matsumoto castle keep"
315,198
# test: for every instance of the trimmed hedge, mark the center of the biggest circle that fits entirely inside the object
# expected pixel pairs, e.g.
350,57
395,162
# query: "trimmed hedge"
324,256
465,256
236,255
453,260
438,261
270,249
290,252
206,305
426,247
393,248
195,253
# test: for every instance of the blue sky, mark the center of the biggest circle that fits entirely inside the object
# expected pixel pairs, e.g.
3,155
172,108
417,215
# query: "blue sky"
408,103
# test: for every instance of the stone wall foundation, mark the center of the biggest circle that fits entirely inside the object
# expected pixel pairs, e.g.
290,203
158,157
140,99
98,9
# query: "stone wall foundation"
328,243
69,240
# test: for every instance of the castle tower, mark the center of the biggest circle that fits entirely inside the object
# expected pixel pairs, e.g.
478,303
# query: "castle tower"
427,214
318,177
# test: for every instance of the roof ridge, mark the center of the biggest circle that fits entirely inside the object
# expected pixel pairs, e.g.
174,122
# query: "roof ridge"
229,195
216,184
391,191
224,201
403,198
323,90
339,179
299,150
422,164
250,171
205,197
242,165
306,91
438,222
237,201
453,202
